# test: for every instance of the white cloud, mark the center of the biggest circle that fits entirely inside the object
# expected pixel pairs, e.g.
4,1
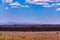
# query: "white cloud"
45,0
36,0
22,6
25,6
51,1
14,7
58,4
15,4
58,9
28,0
41,0
39,3
6,8
7,1
53,4
47,5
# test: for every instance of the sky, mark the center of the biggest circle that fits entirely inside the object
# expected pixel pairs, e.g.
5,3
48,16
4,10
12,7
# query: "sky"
34,12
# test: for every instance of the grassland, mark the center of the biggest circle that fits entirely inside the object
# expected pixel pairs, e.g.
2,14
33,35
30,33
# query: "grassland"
14,35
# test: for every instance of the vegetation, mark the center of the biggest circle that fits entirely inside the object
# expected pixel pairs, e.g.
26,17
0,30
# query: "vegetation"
30,37
27,38
30,27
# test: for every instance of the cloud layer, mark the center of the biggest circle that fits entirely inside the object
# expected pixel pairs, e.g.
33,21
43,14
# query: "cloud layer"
44,3
43,0
7,1
18,5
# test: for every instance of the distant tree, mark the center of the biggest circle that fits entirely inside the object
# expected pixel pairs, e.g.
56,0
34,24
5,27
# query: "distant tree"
32,27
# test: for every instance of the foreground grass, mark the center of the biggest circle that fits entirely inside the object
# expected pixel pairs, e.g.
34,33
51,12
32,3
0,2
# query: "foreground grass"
27,38
37,36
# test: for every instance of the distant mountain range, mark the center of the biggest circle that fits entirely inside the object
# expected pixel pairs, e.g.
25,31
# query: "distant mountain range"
23,23
15,23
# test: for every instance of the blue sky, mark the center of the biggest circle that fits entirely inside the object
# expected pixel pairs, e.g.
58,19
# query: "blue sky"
32,13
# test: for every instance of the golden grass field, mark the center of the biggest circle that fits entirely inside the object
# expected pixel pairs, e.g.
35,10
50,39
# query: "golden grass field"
43,35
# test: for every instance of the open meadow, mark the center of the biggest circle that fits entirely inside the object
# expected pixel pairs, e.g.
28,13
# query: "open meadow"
19,35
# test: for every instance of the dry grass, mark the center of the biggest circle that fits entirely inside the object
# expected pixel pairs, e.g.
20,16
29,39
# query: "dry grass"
52,35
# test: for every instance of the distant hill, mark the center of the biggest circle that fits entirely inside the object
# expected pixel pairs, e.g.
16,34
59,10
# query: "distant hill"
15,23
